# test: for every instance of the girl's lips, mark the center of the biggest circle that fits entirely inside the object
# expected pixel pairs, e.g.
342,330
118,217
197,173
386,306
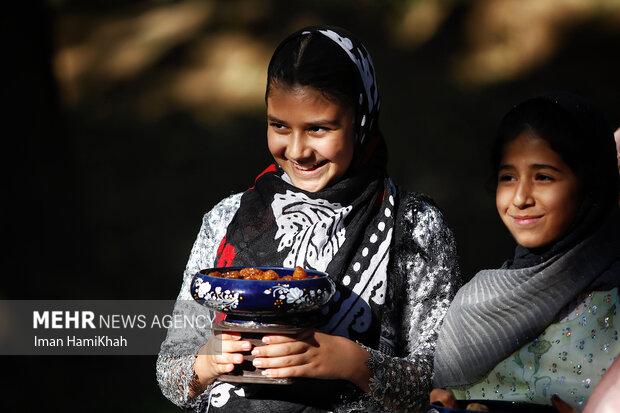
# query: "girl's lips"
526,220
307,170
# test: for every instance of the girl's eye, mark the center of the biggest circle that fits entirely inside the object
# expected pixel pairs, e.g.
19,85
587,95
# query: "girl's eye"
543,177
277,126
506,178
318,129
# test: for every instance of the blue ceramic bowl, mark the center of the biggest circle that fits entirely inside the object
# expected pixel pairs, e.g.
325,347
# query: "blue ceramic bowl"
262,298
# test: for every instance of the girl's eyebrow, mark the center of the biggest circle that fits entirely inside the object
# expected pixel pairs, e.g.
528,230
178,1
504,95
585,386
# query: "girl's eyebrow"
545,166
324,122
505,167
536,166
274,119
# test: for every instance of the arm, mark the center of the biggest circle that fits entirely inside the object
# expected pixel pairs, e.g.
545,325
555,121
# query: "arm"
178,352
427,261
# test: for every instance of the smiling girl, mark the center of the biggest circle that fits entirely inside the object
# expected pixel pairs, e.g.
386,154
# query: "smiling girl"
326,204
545,323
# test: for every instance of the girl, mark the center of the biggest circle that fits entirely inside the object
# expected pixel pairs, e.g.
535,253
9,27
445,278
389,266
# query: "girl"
545,323
326,204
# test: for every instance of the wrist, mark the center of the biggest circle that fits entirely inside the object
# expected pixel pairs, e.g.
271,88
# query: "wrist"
360,373
199,382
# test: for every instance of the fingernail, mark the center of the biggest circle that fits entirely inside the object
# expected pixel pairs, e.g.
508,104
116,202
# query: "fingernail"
266,340
255,352
246,346
257,363
266,373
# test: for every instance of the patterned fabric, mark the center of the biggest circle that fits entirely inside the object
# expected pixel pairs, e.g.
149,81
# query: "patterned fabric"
500,310
367,110
423,277
345,230
568,358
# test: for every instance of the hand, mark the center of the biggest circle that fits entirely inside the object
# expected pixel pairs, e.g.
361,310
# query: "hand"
560,405
313,354
606,395
443,398
218,356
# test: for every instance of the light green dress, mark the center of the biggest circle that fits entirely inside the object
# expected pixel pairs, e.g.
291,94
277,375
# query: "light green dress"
568,358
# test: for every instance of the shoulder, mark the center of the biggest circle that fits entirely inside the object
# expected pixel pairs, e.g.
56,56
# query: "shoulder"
223,211
419,218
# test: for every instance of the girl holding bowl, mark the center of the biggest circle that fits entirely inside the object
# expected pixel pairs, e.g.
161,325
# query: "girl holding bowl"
326,204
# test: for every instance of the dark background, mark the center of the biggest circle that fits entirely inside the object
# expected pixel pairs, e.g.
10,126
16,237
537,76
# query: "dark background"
125,121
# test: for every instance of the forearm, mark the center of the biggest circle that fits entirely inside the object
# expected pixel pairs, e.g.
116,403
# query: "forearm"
174,375
399,384
175,364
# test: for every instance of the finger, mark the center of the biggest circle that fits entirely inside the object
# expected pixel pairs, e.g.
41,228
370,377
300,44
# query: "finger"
284,372
229,346
279,350
225,368
444,397
560,405
229,336
277,339
217,346
223,359
280,338
279,362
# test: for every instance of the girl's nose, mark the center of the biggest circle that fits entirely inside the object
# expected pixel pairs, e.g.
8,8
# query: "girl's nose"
523,195
297,148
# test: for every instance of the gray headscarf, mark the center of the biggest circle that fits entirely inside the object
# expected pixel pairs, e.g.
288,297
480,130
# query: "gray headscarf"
499,311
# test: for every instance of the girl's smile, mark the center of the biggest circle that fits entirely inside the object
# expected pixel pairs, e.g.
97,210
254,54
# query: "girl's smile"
310,136
526,221
537,195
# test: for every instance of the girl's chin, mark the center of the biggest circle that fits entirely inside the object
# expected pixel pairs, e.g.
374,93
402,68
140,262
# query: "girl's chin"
308,186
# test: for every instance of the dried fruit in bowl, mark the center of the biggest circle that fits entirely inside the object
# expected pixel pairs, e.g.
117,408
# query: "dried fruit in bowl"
252,273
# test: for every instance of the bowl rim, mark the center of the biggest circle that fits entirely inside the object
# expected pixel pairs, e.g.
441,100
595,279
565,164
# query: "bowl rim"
203,273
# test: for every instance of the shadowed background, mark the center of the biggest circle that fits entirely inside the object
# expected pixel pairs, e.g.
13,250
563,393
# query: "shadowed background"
128,120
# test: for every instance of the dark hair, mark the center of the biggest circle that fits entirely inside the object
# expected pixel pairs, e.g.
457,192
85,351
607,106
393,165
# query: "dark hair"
576,131
314,60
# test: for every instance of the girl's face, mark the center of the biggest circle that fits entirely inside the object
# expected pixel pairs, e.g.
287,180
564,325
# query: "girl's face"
538,195
309,136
